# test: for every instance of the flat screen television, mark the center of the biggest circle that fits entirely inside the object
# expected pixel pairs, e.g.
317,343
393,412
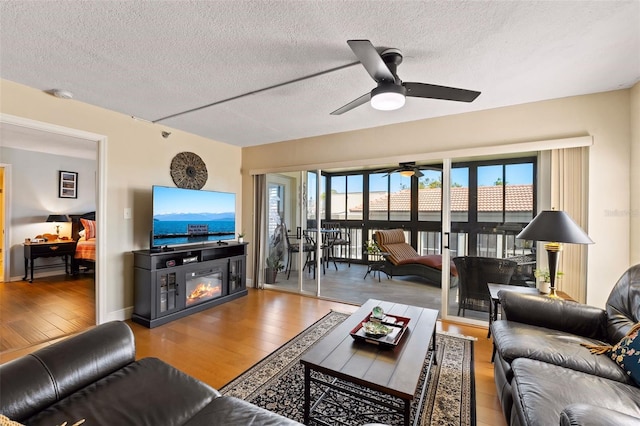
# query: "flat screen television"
190,216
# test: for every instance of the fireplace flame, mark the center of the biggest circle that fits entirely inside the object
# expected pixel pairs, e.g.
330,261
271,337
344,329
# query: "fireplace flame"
203,291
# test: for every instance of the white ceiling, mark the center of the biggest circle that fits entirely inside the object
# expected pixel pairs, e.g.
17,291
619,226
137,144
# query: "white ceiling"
14,136
152,59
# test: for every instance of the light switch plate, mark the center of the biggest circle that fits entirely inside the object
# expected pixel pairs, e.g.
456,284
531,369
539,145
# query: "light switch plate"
127,212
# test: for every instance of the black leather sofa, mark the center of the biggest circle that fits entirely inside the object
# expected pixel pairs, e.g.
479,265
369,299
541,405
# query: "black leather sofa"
94,376
544,376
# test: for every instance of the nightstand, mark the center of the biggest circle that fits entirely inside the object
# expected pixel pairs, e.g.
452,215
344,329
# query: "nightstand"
58,248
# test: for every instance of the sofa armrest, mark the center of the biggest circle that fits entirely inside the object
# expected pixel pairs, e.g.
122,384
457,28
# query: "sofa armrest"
570,317
590,415
37,380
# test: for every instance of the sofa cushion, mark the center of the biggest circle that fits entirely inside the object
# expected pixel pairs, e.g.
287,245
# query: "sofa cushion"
515,340
230,411
541,391
626,354
6,421
145,392
592,415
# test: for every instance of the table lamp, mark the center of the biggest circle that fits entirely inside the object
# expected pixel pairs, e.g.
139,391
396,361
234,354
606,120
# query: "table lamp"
57,218
555,227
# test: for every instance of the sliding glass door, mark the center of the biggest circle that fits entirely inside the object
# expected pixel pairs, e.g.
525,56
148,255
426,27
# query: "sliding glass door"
292,251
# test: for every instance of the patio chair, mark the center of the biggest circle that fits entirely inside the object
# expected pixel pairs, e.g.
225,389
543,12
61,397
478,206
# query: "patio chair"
297,247
402,259
474,274
334,239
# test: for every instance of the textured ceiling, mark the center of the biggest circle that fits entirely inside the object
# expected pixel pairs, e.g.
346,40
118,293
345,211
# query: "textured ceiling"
155,59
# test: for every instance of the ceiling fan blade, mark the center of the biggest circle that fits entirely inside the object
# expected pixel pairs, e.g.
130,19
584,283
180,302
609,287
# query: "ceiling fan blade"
353,104
418,173
371,60
423,90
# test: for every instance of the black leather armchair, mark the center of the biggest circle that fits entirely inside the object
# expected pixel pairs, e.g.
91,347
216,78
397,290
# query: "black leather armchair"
542,365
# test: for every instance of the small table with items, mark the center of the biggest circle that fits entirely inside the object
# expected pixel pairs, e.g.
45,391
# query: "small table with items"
56,248
375,264
340,360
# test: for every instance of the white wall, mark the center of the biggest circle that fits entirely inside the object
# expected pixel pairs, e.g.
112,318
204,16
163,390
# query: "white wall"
606,117
34,195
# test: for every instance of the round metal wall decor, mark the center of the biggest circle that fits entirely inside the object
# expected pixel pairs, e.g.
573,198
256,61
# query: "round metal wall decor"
188,171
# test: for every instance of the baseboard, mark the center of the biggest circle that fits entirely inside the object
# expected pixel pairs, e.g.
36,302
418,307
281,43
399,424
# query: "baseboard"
36,275
120,315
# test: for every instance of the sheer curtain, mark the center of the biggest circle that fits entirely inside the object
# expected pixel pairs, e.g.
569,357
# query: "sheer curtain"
569,189
259,220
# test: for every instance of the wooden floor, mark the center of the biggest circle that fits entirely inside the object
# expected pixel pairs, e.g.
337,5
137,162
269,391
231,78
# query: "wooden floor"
220,343
46,309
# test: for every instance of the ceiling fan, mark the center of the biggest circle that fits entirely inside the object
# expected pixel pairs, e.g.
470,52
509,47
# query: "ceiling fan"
391,92
406,169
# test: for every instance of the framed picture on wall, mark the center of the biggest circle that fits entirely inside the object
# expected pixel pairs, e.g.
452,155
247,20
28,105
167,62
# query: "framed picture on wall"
68,187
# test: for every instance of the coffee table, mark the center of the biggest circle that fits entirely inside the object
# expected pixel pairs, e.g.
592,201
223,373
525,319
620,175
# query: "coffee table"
338,360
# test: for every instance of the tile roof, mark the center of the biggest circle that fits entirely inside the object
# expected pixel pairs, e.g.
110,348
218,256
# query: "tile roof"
518,198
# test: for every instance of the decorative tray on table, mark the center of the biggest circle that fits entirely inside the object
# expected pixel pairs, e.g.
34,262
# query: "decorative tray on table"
386,330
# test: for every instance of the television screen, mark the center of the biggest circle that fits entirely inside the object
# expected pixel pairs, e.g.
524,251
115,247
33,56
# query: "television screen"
188,216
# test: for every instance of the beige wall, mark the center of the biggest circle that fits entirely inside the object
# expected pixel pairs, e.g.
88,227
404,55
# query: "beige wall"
604,116
137,158
634,257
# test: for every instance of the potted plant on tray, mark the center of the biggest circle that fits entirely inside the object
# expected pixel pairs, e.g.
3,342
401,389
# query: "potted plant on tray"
274,265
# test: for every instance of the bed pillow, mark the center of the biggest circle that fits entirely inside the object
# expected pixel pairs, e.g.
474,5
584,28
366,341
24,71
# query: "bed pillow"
89,228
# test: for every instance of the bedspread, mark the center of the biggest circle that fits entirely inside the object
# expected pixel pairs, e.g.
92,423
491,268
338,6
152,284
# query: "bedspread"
86,249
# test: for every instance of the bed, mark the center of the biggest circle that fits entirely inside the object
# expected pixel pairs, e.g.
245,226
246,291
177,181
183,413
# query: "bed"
83,232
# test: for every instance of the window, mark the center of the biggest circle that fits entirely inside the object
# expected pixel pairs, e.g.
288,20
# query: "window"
389,197
430,196
491,200
346,197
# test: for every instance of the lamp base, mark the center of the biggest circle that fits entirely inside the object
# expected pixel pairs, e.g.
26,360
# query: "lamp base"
552,294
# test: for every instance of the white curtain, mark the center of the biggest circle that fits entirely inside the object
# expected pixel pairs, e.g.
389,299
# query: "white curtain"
569,190
259,220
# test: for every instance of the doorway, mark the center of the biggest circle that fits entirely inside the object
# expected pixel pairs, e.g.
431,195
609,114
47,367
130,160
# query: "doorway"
58,139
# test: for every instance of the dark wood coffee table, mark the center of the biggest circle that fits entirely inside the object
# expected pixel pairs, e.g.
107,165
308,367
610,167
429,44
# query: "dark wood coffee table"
390,371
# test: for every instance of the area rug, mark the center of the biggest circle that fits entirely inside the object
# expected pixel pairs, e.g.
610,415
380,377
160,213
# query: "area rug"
277,382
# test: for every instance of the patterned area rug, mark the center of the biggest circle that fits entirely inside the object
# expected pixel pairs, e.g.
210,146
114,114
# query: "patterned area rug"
277,382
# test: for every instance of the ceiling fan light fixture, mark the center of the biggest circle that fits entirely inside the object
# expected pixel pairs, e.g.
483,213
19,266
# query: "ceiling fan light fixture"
388,97
407,173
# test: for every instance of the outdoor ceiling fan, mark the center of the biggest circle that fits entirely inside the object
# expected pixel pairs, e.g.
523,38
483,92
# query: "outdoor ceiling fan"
406,169
390,93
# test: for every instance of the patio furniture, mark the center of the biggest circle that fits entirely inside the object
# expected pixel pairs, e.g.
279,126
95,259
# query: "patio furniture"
475,273
402,259
339,237
297,247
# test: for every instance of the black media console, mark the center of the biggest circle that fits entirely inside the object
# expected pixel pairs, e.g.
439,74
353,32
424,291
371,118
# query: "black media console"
172,284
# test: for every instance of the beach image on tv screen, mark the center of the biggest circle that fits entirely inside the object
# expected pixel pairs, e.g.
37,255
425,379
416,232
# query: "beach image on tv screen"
188,216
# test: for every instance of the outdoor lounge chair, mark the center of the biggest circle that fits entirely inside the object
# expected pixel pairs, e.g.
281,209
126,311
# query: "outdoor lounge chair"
402,259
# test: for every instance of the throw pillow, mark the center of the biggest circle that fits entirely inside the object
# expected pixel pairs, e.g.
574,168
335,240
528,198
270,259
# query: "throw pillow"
6,421
89,227
626,353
